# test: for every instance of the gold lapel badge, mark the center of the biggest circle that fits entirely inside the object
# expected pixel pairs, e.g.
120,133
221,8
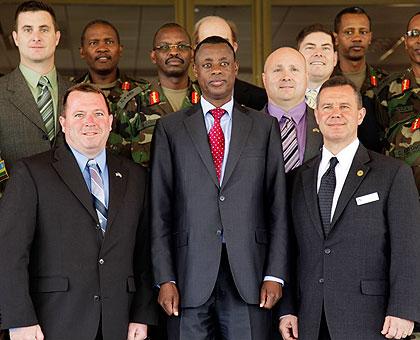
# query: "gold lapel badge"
316,130
118,174
360,173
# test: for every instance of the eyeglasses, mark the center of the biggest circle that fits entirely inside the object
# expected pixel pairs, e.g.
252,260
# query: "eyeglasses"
167,47
414,33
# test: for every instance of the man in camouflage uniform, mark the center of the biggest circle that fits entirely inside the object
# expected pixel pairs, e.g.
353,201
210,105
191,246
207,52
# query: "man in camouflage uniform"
399,98
353,35
101,49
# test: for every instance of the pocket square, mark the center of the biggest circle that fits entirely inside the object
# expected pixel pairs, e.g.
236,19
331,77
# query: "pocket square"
367,198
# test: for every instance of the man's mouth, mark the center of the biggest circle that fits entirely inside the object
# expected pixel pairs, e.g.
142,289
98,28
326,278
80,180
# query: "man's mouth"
174,61
103,58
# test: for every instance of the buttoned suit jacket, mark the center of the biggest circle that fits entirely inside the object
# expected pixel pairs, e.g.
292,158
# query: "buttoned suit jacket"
22,130
313,142
190,209
369,265
56,268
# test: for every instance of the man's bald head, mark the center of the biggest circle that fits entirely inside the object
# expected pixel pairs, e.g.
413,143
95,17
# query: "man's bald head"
285,77
215,26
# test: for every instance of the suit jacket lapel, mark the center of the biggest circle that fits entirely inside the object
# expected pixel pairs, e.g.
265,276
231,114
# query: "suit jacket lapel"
67,168
241,127
196,127
313,135
309,181
23,99
358,171
118,176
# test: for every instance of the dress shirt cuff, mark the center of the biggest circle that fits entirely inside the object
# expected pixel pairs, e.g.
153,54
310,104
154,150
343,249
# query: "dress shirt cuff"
158,285
275,279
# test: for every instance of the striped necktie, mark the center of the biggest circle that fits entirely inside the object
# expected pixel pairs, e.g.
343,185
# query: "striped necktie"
290,144
98,193
46,107
310,98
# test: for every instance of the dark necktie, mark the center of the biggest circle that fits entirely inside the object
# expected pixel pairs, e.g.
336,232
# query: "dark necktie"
290,144
98,193
326,194
46,108
217,140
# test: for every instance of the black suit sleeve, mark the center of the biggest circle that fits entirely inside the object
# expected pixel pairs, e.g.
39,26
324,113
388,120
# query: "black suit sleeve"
275,189
403,216
144,308
162,182
18,216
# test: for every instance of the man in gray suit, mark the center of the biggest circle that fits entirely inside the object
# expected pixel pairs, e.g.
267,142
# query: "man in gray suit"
358,245
30,95
219,226
285,80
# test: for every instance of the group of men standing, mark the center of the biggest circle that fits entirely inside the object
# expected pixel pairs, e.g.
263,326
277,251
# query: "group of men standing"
226,233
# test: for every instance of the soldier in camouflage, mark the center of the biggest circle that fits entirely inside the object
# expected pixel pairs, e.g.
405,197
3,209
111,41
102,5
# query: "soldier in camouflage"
399,98
101,49
353,35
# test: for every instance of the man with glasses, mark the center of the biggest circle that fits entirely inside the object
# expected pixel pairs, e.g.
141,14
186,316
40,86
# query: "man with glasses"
400,104
352,27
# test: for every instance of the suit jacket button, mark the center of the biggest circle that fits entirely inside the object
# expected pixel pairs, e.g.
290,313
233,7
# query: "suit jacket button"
321,280
45,137
98,227
219,232
327,251
222,198
96,297
101,261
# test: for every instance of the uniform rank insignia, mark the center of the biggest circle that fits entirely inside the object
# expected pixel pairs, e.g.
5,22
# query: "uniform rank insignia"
415,125
194,97
154,97
405,85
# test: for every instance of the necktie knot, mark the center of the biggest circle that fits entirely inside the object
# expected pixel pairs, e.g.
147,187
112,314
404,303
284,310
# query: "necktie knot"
43,81
310,98
333,163
217,113
91,163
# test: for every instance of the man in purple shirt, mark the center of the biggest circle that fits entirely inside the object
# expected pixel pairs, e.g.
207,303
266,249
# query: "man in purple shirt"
285,80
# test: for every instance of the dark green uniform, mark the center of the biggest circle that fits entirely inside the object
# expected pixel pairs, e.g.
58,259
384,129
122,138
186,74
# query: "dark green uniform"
371,132
136,107
399,99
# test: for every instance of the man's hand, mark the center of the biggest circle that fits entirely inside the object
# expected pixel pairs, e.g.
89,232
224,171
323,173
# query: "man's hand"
169,298
396,328
27,333
288,327
271,292
137,331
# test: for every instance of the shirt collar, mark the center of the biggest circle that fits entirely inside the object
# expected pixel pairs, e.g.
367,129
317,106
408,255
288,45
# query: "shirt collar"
207,106
345,156
296,114
82,159
32,77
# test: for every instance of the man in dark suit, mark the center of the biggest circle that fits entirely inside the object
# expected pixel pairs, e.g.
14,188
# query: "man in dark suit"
358,251
244,93
285,80
24,129
74,259
219,229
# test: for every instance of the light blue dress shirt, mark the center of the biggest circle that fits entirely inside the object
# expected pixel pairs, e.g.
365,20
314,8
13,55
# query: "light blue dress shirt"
103,169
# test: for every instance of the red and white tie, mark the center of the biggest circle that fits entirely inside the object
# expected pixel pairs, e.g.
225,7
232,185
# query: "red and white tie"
217,140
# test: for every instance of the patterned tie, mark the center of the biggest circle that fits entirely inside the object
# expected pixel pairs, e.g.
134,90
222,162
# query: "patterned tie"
217,140
290,144
326,194
310,98
46,108
98,193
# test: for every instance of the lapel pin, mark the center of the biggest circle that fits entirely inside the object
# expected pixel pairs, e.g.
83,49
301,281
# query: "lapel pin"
315,130
360,173
118,174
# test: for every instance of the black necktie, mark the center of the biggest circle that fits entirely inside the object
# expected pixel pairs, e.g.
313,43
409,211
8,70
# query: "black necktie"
326,194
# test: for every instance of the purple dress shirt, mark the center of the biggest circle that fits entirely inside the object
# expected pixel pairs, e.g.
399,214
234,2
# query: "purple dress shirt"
297,114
